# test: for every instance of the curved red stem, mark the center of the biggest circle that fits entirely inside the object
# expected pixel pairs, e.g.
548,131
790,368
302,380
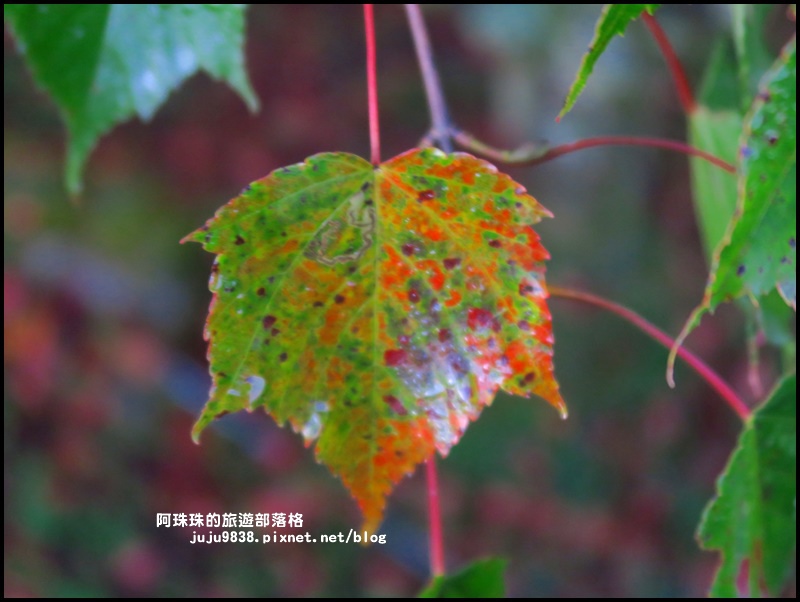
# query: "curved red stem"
372,86
673,63
672,145
698,365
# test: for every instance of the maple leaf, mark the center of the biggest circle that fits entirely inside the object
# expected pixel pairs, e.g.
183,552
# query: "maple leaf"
377,309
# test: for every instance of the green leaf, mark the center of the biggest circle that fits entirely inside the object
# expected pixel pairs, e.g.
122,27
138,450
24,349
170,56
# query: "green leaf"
613,21
758,253
377,309
753,57
481,579
752,521
104,63
716,132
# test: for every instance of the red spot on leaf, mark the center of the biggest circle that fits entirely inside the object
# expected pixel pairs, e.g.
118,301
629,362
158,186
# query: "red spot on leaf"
394,357
437,281
426,195
261,292
407,249
268,321
445,335
479,318
451,262
455,299
495,244
395,404
413,295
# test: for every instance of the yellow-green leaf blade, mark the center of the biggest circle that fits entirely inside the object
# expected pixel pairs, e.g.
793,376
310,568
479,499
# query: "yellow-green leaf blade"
377,310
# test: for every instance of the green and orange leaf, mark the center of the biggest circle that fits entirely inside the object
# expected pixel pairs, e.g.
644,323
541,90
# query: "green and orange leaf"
377,309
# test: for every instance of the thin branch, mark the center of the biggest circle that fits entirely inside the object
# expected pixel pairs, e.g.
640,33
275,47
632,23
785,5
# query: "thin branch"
372,86
435,519
440,122
698,365
534,155
673,63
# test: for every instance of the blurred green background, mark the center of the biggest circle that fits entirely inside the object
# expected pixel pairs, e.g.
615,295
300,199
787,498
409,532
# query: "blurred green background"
104,363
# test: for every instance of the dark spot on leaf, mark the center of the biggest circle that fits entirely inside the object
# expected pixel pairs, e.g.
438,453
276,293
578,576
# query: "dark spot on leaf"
452,262
525,289
222,413
274,332
239,240
523,325
792,242
339,298
529,378
368,202
772,139
445,335
426,195
268,322
764,95
518,205
365,187
480,318
283,233
261,292
354,330
395,404
282,357
407,249
229,289
215,268
494,243
413,295
740,270
784,260
317,304
394,357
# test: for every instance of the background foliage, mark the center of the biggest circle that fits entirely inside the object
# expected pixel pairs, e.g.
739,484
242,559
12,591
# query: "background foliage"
104,368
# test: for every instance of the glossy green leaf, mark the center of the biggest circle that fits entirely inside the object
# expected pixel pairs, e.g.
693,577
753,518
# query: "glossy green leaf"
758,252
105,63
613,21
752,520
377,310
481,579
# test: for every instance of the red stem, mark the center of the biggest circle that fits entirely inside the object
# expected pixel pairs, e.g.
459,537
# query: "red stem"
372,87
672,145
711,377
673,63
435,519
